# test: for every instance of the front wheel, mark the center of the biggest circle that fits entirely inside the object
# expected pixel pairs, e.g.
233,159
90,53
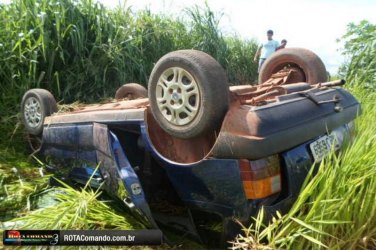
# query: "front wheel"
36,105
188,93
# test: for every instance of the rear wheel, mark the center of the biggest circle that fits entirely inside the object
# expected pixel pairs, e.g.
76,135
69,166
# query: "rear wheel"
188,93
131,91
36,105
307,66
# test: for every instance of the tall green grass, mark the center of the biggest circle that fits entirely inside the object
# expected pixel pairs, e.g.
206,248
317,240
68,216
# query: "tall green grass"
19,181
360,49
79,50
28,202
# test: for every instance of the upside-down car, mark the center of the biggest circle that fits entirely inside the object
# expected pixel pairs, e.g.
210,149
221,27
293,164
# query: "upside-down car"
192,151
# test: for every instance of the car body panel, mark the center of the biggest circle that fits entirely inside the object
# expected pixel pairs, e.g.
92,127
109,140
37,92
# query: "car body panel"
97,144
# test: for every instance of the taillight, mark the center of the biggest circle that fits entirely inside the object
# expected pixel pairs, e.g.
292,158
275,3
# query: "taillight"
261,178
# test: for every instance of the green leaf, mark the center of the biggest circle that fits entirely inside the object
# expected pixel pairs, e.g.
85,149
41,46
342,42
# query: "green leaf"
309,226
317,242
331,221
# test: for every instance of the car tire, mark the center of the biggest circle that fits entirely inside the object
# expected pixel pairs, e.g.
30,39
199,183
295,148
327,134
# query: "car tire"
131,91
36,105
188,93
309,66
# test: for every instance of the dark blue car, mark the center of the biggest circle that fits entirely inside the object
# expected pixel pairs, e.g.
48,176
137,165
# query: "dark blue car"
193,153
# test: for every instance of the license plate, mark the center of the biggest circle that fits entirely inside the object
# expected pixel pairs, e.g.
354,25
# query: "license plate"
322,146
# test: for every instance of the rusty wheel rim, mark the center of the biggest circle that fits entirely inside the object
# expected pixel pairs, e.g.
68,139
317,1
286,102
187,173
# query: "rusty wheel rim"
178,96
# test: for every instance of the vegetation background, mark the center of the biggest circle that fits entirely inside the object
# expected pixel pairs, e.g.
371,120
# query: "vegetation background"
80,50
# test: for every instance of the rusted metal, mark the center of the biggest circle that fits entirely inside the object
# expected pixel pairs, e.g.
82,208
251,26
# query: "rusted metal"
253,95
334,83
278,85
177,149
279,78
117,105
271,93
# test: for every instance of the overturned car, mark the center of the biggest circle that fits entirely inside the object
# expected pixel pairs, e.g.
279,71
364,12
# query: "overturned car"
192,151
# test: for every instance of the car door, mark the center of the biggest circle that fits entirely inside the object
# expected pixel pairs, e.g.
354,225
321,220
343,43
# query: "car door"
96,144
119,177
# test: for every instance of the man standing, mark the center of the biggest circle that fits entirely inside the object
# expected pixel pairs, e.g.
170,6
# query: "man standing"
266,49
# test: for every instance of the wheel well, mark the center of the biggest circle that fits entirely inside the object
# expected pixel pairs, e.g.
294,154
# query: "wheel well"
177,149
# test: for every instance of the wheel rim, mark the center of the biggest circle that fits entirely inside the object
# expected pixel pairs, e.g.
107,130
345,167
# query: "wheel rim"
178,96
32,112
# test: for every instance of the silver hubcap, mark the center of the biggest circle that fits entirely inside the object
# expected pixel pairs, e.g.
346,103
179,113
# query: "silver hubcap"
178,96
32,112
